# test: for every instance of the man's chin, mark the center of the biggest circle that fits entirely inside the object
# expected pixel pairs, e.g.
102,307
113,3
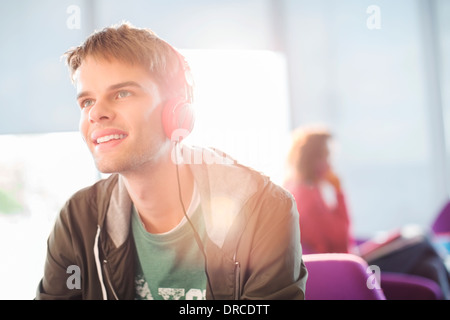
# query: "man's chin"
110,168
106,169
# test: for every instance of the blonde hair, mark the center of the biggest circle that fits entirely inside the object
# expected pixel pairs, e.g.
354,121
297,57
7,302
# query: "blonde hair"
134,46
308,143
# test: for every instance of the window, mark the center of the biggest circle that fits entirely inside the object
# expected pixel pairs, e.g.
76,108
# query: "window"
39,173
241,108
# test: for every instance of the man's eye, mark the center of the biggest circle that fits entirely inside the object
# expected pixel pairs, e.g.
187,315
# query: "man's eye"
87,103
123,94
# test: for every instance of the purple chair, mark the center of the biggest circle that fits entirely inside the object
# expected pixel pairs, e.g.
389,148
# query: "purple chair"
339,276
442,222
440,231
402,286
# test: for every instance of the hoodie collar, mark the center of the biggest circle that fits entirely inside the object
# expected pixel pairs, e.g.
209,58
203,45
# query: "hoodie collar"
224,188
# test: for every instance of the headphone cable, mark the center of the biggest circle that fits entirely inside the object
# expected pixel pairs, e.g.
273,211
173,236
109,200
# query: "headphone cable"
196,234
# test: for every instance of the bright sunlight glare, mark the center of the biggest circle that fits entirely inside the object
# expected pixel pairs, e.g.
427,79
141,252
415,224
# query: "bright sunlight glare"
241,108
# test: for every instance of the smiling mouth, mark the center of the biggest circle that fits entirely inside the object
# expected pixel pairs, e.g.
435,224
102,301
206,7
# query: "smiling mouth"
110,138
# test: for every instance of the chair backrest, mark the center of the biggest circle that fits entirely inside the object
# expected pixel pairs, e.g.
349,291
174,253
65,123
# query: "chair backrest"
442,222
402,286
340,276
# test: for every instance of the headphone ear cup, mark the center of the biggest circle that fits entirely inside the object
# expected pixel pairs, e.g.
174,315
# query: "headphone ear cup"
177,119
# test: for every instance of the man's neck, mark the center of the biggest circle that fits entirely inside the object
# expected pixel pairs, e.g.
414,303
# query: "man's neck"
154,190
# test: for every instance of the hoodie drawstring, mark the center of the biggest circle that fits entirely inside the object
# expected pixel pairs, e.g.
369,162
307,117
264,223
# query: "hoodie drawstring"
99,265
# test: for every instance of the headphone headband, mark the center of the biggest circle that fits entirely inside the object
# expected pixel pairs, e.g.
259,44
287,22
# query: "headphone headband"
178,115
188,79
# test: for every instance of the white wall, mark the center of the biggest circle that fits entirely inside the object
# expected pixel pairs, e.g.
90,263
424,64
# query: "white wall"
371,87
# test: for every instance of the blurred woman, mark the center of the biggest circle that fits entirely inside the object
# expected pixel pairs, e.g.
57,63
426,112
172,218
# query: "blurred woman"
324,221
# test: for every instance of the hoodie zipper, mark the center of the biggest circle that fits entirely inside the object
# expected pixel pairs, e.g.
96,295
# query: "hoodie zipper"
108,279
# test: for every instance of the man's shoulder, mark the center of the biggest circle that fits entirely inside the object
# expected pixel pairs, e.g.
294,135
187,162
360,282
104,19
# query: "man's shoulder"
89,199
226,174
101,187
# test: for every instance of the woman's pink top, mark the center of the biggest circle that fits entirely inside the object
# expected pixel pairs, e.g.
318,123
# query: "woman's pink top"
323,229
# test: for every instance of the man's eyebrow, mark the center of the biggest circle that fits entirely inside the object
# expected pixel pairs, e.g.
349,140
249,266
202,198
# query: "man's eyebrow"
112,88
123,85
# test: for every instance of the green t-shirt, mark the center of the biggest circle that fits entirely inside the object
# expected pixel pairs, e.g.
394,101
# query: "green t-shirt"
170,266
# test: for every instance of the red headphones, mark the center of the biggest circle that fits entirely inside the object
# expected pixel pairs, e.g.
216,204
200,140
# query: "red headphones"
177,113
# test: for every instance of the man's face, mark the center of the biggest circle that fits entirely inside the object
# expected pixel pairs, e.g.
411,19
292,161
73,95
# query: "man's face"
120,114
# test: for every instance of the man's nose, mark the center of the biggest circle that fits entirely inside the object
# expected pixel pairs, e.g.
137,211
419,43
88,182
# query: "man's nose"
100,111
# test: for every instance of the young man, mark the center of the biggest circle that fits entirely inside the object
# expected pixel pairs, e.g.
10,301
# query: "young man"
171,221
